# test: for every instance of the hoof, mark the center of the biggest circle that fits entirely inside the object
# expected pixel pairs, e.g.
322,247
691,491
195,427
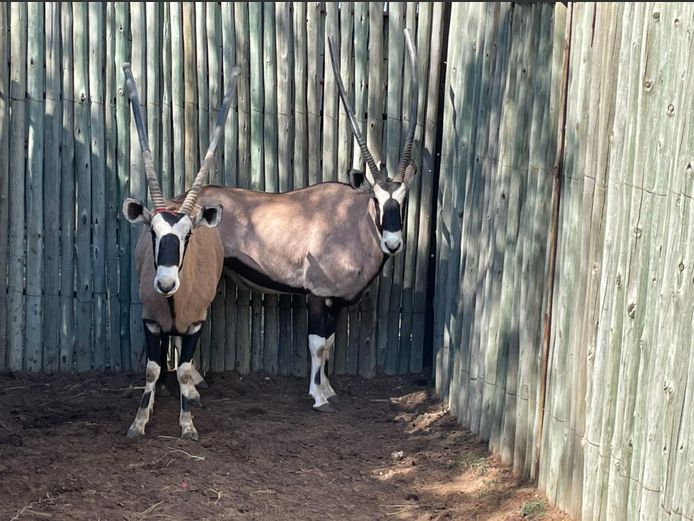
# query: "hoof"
134,432
195,401
190,435
202,384
326,407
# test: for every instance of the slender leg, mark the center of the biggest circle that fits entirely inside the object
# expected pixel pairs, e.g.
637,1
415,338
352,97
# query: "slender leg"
162,390
317,324
153,339
331,323
184,373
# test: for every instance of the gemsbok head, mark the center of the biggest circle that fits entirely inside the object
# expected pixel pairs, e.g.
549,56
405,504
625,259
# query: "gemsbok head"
179,258
389,193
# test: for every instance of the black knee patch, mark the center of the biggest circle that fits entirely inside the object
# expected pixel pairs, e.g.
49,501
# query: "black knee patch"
145,400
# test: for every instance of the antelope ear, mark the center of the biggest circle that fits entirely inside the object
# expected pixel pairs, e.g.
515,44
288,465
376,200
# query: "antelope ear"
410,172
358,181
135,212
210,216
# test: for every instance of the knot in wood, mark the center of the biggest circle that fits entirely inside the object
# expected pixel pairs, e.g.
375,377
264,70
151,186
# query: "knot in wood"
656,15
631,310
680,267
670,109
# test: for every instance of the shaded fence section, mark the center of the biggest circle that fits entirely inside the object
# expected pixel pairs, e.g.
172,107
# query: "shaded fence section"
617,441
69,155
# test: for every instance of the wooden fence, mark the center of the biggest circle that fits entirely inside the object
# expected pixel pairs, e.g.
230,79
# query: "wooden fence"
618,436
69,155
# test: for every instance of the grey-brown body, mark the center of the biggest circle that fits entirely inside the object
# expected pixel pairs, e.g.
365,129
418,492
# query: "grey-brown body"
322,240
199,276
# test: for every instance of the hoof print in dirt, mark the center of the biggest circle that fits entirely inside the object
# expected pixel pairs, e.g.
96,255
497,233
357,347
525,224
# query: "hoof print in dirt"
190,435
326,407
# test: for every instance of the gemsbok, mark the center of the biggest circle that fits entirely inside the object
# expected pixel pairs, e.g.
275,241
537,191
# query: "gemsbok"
328,241
179,259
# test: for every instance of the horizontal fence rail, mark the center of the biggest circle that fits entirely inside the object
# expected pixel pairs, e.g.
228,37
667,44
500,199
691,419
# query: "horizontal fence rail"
69,155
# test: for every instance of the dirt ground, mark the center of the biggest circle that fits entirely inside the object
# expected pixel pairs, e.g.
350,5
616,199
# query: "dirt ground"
390,452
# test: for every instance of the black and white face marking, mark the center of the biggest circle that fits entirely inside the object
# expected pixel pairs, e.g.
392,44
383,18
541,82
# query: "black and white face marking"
390,199
170,234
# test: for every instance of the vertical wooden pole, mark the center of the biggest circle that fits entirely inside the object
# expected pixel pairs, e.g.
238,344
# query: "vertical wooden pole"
270,121
67,197
369,358
242,30
138,183
342,132
34,188
299,365
230,172
350,363
178,99
122,55
51,191
167,152
285,136
96,17
4,180
113,203
314,12
426,176
255,20
410,357
83,179
396,46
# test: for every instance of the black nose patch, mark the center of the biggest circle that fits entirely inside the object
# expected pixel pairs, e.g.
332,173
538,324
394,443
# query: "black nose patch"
169,250
391,216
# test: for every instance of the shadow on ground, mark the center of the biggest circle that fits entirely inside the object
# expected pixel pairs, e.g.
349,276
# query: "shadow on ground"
390,452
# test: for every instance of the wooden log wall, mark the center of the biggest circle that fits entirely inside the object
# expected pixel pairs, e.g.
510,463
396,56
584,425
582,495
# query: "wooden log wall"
616,441
69,155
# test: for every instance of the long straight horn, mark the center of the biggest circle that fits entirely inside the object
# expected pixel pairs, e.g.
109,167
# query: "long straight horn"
414,93
154,189
376,174
189,202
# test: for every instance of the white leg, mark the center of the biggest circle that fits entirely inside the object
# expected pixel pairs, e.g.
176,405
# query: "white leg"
137,428
185,377
188,394
327,389
316,345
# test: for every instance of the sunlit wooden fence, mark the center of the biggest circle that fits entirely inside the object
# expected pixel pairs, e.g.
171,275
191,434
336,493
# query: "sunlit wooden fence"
609,431
69,155
616,440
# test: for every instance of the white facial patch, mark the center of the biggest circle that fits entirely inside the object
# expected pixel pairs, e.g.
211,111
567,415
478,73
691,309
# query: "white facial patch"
166,280
400,194
381,196
391,242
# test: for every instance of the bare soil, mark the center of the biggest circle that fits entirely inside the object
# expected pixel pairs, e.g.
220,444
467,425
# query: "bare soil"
390,452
